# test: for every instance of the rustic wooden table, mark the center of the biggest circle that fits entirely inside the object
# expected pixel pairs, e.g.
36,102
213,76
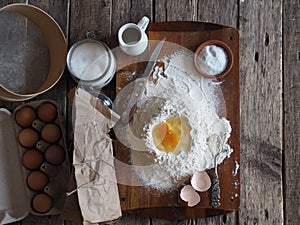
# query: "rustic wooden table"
269,74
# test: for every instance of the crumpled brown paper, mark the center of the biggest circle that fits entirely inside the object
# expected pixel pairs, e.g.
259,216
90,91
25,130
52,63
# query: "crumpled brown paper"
93,160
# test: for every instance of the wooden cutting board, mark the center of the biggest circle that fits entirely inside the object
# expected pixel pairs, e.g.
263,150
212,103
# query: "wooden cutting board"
152,203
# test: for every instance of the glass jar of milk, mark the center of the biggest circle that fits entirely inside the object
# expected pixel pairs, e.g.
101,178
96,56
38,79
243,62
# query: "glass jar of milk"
91,63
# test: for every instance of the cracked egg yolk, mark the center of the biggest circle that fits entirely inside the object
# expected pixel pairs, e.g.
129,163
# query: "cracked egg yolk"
170,134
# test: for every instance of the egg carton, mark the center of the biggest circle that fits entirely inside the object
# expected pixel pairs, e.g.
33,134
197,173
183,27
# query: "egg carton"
17,202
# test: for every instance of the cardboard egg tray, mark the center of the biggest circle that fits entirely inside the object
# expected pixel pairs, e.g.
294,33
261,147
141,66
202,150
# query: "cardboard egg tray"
17,202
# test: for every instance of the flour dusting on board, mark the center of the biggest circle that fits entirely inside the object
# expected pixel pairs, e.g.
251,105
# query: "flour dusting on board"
177,118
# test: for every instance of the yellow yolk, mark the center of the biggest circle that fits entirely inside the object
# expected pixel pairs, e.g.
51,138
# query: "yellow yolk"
167,134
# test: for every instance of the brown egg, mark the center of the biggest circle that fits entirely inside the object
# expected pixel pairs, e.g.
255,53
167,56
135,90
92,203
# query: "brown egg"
28,137
42,203
25,116
51,133
37,180
32,159
55,154
47,112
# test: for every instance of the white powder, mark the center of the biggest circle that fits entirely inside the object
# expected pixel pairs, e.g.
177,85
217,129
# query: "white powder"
89,61
237,166
185,94
212,60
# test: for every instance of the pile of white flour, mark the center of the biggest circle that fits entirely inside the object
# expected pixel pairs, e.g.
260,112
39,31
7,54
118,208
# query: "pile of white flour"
181,93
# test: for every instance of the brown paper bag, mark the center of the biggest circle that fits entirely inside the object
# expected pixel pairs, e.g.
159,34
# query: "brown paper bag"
93,159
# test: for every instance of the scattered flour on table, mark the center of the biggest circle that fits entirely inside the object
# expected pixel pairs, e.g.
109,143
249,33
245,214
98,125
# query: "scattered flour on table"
181,93
237,166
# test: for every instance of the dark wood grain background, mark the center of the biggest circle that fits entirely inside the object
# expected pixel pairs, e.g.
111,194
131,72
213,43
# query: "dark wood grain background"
269,74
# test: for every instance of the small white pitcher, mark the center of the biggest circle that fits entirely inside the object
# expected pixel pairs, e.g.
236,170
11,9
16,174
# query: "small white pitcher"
132,37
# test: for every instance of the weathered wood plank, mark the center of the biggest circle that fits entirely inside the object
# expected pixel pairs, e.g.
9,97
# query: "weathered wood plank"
221,12
261,88
125,11
128,219
91,16
204,11
209,11
7,2
59,11
88,16
261,112
168,10
291,65
179,10
38,220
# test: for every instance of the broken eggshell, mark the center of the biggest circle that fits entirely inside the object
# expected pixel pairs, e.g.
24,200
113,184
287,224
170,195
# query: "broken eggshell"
200,181
189,195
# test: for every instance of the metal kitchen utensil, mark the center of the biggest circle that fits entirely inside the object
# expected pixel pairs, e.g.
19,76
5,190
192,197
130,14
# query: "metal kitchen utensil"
140,83
215,188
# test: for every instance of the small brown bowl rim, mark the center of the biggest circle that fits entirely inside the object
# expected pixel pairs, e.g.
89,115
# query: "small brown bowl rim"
229,55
